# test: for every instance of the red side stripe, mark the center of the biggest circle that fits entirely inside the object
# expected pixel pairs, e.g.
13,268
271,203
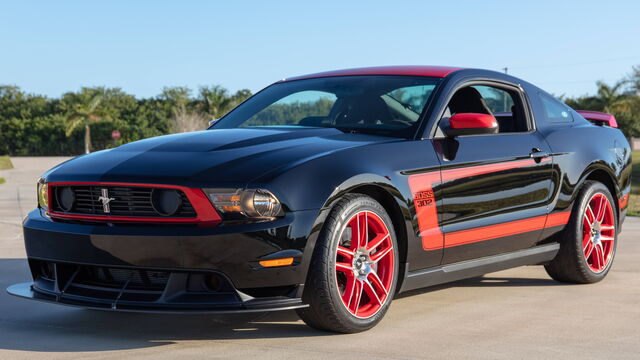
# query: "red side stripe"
421,186
494,231
558,219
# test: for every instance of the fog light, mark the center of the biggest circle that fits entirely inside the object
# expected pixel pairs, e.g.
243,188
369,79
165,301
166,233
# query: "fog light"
66,198
165,202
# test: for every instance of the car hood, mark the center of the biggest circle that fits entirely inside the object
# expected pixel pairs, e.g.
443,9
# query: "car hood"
203,158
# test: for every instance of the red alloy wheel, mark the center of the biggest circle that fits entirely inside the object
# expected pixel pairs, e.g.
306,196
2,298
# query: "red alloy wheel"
365,264
598,233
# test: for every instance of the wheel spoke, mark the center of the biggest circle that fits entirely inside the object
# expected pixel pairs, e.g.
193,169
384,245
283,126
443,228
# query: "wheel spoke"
345,253
354,302
364,233
377,241
344,267
381,253
606,238
368,288
589,214
602,207
349,289
359,231
588,250
600,256
377,284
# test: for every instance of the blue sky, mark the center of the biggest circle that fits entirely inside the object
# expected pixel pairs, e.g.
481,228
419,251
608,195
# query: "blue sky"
141,46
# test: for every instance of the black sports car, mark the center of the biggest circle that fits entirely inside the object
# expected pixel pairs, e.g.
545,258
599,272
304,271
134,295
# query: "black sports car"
329,194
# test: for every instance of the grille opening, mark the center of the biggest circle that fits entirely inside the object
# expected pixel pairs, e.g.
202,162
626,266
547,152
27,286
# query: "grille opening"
126,201
46,270
117,278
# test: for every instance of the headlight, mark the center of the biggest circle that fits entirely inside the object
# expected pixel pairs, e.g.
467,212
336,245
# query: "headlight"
43,196
253,203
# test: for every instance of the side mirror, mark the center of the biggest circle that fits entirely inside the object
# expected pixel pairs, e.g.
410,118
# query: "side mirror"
213,121
471,124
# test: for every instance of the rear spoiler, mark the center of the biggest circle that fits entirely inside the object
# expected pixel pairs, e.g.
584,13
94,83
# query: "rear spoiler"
599,118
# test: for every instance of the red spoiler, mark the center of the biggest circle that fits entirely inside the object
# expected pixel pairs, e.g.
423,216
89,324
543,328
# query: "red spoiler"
599,118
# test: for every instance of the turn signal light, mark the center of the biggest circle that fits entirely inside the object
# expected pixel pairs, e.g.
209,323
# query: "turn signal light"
276,262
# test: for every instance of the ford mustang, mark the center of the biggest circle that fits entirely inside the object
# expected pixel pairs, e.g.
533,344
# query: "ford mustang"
331,193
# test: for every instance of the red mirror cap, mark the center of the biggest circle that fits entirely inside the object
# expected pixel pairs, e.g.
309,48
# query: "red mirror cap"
599,117
472,121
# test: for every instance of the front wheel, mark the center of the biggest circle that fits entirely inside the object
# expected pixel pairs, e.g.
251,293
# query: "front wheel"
353,272
589,242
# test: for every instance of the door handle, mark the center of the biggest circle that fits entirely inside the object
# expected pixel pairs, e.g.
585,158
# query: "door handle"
538,154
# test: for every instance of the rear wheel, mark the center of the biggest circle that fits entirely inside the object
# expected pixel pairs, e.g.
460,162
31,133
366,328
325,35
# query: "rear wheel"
589,244
353,273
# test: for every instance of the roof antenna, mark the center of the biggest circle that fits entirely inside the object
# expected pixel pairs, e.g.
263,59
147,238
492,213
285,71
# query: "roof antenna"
506,69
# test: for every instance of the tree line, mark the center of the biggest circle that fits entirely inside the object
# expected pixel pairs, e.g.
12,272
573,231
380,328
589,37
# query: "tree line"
621,99
83,121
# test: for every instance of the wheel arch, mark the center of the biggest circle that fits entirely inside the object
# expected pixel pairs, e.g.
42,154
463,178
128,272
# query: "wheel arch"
605,176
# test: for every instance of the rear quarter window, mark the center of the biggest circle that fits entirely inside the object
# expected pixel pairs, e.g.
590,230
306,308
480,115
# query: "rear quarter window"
554,110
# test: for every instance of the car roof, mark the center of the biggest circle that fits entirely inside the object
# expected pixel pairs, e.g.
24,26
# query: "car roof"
410,70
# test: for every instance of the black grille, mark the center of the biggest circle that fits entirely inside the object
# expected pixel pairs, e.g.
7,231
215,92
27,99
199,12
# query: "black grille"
127,201
117,278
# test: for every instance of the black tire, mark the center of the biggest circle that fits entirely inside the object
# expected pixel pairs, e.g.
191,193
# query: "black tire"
326,309
570,264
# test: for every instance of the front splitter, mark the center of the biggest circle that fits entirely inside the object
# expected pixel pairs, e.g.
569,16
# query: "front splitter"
25,290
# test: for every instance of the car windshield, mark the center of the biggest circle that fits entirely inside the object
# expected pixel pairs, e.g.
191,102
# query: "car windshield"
383,105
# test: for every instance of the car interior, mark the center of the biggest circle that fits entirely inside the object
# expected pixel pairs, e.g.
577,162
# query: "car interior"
504,105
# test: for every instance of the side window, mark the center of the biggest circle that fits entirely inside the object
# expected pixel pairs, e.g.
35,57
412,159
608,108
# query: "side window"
505,105
498,100
554,110
307,108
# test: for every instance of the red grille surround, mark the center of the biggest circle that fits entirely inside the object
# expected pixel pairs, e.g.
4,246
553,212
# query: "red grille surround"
205,212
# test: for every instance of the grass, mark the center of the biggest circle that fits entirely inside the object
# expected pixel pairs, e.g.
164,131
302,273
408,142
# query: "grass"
5,162
634,200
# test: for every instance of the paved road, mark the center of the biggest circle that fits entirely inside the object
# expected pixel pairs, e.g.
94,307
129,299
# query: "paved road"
514,314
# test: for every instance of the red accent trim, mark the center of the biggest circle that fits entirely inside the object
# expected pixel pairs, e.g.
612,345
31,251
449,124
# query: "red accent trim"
421,186
206,214
622,202
494,231
608,119
558,219
433,71
472,121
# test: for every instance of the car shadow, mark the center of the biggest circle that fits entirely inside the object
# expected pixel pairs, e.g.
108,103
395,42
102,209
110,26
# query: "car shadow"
35,326
486,281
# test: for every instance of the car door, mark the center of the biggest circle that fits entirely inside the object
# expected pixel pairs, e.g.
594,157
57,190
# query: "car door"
494,187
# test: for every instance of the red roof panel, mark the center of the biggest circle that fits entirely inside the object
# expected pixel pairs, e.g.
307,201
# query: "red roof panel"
415,70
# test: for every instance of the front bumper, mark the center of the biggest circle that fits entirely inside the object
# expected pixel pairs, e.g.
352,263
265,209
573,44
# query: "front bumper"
186,257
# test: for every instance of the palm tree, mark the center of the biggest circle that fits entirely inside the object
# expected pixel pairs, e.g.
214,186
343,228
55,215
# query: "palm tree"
216,100
613,99
83,115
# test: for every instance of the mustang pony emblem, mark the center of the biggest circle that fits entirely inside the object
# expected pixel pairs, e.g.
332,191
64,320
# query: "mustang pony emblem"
105,199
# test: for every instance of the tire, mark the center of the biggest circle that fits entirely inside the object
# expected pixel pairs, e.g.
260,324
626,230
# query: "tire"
349,285
588,246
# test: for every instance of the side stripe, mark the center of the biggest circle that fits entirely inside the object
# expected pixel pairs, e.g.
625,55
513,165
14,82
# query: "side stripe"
421,186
